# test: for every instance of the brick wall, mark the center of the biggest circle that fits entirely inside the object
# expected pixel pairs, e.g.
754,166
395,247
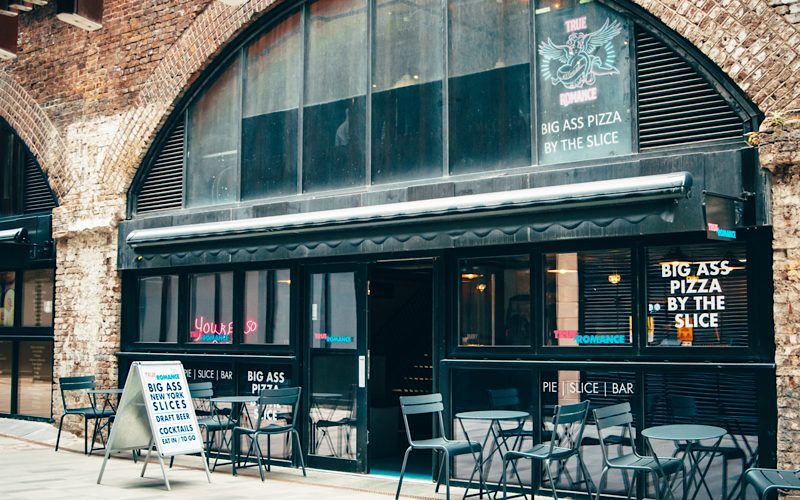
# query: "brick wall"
789,9
90,104
780,153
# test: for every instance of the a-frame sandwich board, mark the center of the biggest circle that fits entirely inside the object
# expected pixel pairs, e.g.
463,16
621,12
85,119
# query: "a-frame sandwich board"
156,410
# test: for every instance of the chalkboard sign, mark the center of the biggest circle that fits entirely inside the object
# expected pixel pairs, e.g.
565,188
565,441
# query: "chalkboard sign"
156,410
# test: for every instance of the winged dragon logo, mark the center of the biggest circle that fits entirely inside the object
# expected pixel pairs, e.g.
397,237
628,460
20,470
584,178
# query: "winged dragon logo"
579,66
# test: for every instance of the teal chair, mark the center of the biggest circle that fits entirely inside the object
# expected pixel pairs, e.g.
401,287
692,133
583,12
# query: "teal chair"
69,386
431,404
565,443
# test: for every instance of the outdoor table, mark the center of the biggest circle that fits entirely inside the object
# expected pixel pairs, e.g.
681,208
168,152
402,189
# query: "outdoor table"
238,415
494,417
691,434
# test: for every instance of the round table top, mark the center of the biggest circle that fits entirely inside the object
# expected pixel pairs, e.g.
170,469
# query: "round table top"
235,399
493,415
684,432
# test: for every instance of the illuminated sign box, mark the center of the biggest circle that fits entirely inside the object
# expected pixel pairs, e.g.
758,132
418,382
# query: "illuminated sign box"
723,216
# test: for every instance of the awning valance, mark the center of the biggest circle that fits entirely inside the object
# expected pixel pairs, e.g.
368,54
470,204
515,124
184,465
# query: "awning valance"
615,192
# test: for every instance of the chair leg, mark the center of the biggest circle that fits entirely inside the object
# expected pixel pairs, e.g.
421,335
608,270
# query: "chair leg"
503,478
402,472
603,477
629,489
481,481
550,477
588,478
447,475
171,461
269,452
299,451
258,456
233,462
60,423
439,474
85,436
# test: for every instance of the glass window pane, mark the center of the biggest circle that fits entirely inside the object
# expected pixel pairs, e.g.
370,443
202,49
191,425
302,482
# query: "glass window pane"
211,308
716,398
481,390
489,85
213,142
584,74
588,298
267,307
407,91
37,300
7,295
158,309
495,305
269,123
697,295
334,313
35,378
6,353
12,160
334,117
333,430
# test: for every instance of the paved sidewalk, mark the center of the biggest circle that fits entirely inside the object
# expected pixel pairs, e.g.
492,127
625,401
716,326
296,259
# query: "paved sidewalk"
33,470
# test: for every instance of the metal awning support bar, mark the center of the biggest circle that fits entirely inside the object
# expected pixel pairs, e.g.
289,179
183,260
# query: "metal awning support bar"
628,190
17,235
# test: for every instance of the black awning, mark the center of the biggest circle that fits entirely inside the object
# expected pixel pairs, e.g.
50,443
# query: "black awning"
582,195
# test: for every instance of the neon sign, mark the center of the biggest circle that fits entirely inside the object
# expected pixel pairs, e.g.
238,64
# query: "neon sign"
333,339
590,339
217,333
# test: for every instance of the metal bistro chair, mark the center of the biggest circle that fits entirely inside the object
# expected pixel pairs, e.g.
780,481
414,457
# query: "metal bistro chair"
565,442
432,404
272,397
209,417
619,415
767,480
82,383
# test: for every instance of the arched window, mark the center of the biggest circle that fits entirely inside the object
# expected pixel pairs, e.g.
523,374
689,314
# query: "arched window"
353,95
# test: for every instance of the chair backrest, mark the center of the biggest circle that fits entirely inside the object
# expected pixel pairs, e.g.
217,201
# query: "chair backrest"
569,422
201,390
289,396
421,405
618,415
201,394
80,383
504,399
684,408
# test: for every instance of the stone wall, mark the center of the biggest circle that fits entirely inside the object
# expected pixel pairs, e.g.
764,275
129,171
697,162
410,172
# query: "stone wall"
779,144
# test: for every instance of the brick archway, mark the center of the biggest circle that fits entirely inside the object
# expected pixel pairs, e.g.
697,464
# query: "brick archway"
752,43
34,127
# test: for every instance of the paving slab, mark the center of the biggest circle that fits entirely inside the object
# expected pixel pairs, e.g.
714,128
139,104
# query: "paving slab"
33,470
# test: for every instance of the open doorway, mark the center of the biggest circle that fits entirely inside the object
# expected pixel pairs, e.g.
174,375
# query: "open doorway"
401,362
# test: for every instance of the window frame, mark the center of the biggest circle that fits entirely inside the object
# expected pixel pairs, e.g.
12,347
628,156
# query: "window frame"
130,308
760,348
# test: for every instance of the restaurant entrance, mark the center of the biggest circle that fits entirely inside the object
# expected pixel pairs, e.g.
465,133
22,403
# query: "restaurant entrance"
400,320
